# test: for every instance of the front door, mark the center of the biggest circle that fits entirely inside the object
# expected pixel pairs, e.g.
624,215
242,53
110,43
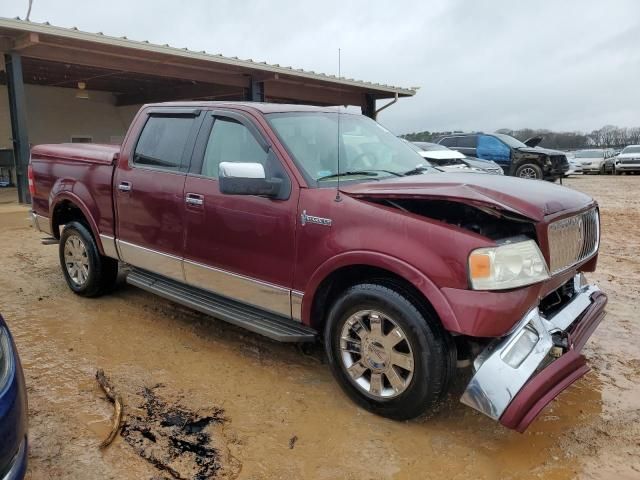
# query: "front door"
149,192
239,246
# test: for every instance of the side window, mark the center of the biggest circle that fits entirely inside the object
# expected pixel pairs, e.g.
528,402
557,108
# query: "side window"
468,141
231,141
490,148
162,142
449,141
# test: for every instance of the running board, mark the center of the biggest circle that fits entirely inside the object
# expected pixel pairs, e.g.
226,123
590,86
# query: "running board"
251,318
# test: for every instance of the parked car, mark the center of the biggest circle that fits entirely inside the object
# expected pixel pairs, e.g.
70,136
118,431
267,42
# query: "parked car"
451,160
575,166
13,410
593,160
628,160
242,211
516,158
4,182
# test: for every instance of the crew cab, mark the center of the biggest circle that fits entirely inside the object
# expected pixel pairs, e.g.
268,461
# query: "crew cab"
301,223
518,159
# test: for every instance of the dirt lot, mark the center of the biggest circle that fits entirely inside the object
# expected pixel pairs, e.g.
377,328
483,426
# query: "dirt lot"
249,408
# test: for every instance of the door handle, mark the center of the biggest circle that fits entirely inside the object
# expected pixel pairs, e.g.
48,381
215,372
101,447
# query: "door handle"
194,199
124,186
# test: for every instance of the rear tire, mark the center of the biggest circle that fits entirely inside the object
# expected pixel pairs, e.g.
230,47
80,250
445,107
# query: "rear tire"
87,273
389,356
529,170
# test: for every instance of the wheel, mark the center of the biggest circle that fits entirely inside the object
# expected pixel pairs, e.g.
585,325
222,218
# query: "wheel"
86,271
389,356
529,170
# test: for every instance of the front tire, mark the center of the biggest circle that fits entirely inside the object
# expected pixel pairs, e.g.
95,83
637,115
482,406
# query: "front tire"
529,170
87,273
389,356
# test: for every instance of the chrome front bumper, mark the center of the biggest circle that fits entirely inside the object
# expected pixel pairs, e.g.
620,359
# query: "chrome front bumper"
507,364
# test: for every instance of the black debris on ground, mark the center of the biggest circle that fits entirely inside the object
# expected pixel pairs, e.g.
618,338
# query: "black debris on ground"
173,438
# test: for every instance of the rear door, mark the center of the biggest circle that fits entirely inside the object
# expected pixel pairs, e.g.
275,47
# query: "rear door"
149,190
239,246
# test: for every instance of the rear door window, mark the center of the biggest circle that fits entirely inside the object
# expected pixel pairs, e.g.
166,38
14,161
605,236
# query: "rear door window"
449,141
163,143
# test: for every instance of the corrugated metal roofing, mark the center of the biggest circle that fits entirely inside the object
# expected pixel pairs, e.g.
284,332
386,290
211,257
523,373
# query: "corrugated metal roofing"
46,28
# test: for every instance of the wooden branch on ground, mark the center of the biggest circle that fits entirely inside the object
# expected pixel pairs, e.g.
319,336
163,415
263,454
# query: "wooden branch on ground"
115,398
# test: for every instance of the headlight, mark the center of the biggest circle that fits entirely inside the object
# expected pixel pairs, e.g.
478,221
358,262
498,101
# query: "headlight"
6,358
510,265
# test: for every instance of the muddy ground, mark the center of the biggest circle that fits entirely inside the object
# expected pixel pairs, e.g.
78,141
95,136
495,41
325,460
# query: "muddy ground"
256,409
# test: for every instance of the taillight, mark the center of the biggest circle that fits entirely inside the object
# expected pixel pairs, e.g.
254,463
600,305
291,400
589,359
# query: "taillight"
32,185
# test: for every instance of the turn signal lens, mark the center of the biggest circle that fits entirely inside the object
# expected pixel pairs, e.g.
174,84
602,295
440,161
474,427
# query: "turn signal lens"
479,265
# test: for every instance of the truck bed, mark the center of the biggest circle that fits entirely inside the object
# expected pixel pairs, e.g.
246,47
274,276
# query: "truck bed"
82,173
79,152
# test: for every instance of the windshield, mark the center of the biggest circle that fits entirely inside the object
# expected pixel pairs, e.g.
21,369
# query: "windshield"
590,154
635,149
509,140
367,149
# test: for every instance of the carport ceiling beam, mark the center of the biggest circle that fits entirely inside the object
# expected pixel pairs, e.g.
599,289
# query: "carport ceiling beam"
309,93
25,41
135,65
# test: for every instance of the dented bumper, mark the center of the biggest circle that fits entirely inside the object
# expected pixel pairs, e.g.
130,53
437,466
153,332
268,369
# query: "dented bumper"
518,375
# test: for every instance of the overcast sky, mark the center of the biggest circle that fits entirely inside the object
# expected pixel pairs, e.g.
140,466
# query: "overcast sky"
564,65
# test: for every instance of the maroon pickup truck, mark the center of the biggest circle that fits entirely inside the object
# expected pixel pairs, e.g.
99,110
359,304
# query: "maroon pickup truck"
299,222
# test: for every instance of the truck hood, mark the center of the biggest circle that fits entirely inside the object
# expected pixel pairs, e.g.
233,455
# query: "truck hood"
533,199
628,155
539,150
533,141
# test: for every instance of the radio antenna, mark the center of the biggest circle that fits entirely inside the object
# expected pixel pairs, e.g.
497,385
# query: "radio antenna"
338,199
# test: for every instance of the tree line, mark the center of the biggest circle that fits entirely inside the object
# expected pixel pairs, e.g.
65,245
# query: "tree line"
608,136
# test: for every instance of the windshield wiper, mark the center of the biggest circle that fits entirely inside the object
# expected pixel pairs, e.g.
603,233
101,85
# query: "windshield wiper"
365,173
418,170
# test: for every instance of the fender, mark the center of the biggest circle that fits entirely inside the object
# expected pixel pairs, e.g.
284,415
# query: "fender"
376,259
60,196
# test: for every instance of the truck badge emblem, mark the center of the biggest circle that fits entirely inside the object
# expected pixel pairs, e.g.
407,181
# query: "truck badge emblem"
304,219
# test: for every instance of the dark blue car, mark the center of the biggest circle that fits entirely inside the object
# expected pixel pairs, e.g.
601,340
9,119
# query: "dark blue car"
13,410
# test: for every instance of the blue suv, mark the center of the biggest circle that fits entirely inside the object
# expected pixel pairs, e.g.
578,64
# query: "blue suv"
518,159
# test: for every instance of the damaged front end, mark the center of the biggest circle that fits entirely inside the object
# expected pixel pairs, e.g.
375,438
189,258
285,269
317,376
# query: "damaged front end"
516,376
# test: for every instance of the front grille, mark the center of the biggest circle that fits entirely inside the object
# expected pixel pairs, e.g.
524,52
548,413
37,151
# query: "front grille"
559,163
630,160
572,240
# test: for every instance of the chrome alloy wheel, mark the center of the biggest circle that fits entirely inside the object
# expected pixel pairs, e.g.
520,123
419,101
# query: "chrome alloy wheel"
528,172
376,354
76,260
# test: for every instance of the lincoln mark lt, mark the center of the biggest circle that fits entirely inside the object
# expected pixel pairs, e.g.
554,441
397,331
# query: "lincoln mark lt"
302,223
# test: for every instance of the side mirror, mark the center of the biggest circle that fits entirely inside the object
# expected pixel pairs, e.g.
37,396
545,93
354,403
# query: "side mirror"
247,179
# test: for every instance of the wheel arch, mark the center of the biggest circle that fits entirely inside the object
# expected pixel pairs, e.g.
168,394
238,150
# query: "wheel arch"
349,268
66,207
